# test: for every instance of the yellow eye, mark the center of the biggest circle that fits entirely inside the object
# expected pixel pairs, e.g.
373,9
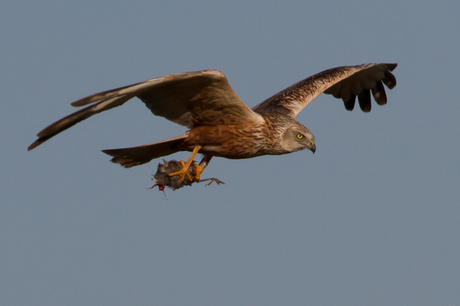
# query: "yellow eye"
300,136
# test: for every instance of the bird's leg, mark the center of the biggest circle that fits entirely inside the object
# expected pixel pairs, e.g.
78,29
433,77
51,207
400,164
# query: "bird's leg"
205,161
184,171
200,167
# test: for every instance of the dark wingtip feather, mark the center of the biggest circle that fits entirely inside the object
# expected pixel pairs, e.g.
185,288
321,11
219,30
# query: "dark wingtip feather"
391,67
389,80
35,144
379,93
350,103
364,99
42,139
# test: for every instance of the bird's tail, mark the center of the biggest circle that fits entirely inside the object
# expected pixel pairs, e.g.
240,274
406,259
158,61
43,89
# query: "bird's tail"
134,156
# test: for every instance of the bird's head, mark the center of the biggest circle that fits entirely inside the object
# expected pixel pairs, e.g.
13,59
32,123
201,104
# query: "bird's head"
297,137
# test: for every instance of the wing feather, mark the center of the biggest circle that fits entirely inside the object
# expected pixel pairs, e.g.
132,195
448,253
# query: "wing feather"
188,99
342,82
379,93
349,103
364,98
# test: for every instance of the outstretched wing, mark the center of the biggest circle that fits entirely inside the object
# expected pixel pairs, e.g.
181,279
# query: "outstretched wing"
341,82
188,99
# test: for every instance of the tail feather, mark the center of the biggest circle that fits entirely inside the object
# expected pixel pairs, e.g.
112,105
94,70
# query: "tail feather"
134,156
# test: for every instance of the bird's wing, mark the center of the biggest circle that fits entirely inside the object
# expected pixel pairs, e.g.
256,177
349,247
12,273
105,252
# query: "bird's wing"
197,98
189,99
341,82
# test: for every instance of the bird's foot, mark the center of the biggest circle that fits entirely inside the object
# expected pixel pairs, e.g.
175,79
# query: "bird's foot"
183,172
198,171
169,173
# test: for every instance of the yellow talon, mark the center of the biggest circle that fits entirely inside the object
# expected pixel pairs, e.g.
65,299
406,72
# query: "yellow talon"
185,166
198,171
182,172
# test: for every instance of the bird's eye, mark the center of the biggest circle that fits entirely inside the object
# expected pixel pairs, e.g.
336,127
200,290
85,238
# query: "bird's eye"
299,136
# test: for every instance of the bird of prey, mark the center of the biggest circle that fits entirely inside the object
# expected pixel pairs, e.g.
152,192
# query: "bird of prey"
219,123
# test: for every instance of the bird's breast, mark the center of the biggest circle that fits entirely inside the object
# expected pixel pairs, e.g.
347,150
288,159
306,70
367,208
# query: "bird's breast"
230,141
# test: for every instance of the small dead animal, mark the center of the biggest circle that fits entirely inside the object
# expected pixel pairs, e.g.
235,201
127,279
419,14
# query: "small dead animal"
163,179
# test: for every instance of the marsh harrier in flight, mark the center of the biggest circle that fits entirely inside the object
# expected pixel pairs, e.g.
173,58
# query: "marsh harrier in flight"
219,123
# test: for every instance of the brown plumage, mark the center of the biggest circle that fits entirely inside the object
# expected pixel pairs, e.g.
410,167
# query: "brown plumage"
219,123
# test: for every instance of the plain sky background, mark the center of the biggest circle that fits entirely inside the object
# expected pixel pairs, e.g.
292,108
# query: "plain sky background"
372,218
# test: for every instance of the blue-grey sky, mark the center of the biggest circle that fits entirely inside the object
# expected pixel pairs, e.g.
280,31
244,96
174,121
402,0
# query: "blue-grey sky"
372,218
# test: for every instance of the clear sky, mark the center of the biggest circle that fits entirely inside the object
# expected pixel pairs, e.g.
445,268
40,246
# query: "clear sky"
372,218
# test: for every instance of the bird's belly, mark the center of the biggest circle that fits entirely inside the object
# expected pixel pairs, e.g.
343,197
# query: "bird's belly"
230,141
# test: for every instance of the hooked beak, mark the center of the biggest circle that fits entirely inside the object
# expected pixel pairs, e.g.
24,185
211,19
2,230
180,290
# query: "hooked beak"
312,147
